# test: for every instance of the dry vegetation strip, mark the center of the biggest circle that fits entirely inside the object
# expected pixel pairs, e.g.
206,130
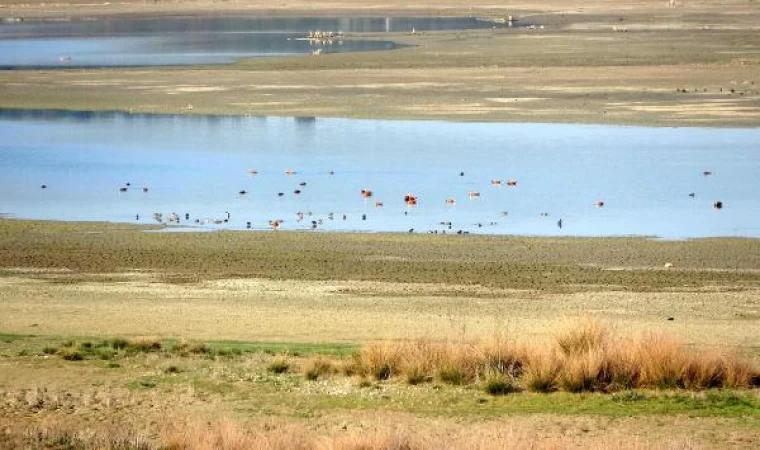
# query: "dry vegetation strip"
227,435
586,358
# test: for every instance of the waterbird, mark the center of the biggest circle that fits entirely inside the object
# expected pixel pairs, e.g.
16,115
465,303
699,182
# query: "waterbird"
451,201
559,224
691,194
280,194
599,204
248,225
496,182
297,191
253,171
123,189
44,186
718,205
290,172
242,192
145,188
473,194
303,183
707,173
461,174
511,183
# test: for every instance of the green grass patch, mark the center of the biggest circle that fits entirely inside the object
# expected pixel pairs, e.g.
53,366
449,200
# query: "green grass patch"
7,338
295,349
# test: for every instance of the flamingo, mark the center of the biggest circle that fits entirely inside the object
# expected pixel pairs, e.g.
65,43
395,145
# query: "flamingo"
366,193
473,194
599,204
496,182
451,201
511,183
410,199
290,172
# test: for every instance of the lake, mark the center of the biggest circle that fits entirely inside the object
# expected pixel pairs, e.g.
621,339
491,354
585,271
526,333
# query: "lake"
119,42
198,165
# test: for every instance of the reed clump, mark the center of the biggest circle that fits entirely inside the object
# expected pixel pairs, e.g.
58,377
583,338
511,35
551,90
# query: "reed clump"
586,358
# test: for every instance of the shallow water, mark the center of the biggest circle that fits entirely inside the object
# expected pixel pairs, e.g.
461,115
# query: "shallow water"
198,165
194,40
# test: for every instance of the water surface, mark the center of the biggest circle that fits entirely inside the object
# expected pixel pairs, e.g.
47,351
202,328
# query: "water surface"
196,40
199,164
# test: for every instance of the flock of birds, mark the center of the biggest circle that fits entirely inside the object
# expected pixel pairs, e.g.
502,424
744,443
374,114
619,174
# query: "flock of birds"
410,200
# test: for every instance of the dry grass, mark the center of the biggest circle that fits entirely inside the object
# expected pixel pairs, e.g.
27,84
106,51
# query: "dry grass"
582,359
228,435
145,344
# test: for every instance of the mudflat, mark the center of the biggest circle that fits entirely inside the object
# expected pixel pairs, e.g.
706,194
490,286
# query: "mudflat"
110,279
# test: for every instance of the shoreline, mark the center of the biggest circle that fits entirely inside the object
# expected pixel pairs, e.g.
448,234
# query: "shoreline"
182,229
572,121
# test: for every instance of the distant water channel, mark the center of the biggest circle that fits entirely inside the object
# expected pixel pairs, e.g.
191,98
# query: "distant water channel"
198,165
197,40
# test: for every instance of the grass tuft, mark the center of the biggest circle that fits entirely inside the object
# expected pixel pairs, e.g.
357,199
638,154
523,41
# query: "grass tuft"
70,354
319,367
280,365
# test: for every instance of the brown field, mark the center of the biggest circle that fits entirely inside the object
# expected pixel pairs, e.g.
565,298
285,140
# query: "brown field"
248,303
114,337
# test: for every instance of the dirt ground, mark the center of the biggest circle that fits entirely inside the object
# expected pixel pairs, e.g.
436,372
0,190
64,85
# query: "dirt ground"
105,280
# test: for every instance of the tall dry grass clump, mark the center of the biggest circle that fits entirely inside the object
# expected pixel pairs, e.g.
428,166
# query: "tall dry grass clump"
584,337
584,358
449,362
382,360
